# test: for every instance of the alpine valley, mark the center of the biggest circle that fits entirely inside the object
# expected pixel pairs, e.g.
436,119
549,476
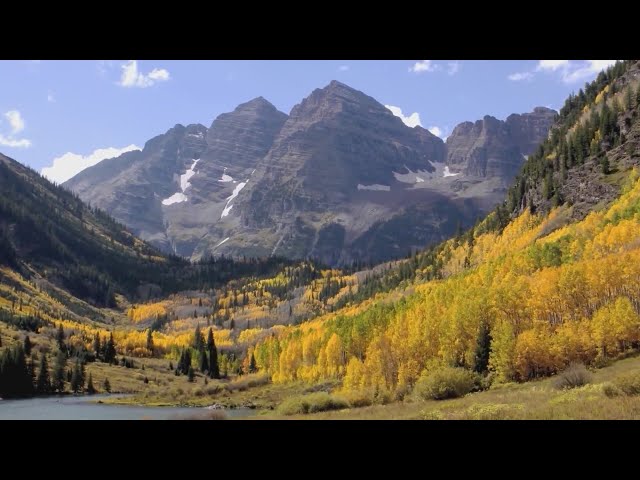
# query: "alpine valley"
335,263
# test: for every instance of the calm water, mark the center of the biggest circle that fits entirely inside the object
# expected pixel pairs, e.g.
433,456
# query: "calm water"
85,408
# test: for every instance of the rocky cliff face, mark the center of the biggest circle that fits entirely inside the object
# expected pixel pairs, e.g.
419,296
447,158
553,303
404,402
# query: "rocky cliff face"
339,179
495,148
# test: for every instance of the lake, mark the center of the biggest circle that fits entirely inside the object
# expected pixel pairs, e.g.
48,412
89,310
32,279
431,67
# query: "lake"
85,408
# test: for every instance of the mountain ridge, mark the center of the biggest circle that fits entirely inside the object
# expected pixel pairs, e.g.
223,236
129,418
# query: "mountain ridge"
315,183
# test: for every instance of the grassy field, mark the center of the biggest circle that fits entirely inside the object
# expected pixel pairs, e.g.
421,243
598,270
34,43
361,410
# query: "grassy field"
532,400
529,401
538,400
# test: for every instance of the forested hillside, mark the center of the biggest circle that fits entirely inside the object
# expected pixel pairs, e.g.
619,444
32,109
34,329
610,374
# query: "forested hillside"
527,291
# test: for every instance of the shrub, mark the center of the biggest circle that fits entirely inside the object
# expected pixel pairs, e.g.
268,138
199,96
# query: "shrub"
315,402
611,390
575,375
445,382
357,399
629,384
247,381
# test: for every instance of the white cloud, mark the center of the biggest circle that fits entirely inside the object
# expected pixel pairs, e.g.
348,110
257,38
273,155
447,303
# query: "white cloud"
412,120
16,122
453,68
343,68
437,131
572,71
517,77
14,143
585,69
131,77
103,66
51,98
424,66
552,65
70,164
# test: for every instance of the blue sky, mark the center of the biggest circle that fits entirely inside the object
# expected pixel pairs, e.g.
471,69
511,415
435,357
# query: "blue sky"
81,111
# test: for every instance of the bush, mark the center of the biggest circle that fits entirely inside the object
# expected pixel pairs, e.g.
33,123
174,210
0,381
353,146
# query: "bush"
315,402
575,375
445,382
629,384
357,399
247,381
610,390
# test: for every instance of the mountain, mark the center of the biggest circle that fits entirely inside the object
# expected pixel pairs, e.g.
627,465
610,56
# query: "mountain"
340,179
46,232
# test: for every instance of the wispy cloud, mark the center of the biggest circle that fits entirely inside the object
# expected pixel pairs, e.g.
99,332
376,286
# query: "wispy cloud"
343,68
131,77
552,65
66,166
582,70
424,66
569,71
50,97
421,66
412,120
15,121
520,76
437,131
17,125
453,68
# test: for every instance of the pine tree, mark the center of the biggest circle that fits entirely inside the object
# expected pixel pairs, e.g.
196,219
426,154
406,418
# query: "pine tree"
97,348
77,378
628,99
170,365
110,350
31,371
60,338
198,339
483,348
204,362
106,385
252,365
150,341
59,371
27,346
43,383
638,97
191,374
604,163
90,388
214,370
232,325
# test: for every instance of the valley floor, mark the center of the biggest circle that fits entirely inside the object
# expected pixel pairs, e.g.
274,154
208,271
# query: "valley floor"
536,400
